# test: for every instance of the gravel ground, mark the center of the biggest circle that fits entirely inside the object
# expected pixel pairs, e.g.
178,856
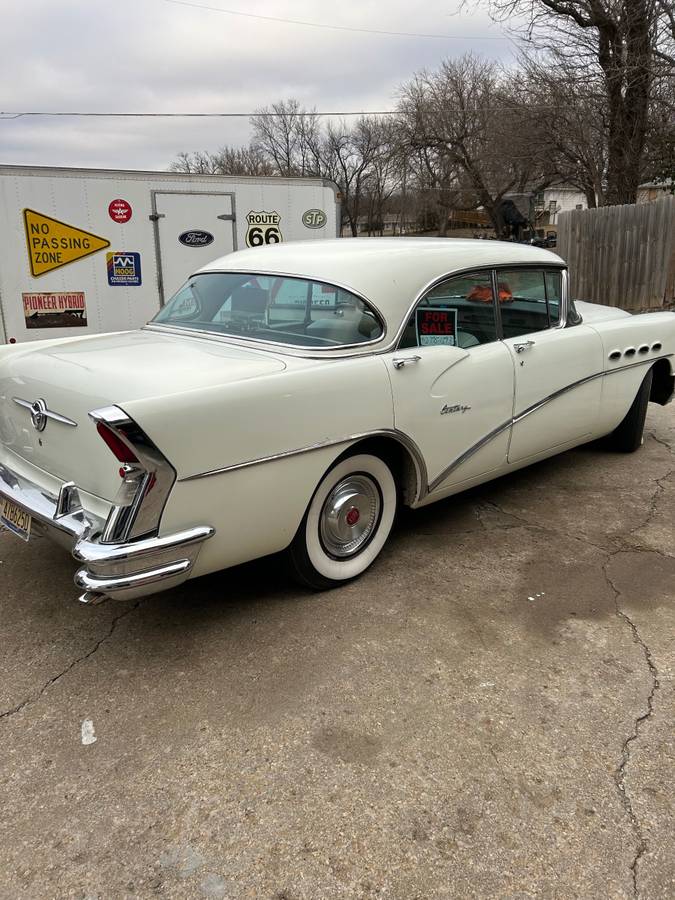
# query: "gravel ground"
487,713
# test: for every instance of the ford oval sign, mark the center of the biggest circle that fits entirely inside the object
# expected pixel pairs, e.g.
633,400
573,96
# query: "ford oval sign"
196,238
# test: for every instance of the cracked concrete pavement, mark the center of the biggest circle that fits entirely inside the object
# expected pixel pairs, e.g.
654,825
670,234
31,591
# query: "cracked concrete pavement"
487,713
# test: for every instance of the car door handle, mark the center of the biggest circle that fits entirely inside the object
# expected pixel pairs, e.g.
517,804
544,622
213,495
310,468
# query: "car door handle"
521,348
406,361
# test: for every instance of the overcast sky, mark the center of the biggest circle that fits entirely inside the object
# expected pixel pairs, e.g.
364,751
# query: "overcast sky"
158,56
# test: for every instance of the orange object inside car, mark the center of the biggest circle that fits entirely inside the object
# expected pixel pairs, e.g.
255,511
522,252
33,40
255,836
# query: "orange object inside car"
482,293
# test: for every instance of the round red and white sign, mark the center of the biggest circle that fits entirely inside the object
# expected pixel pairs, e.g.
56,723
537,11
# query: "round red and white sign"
119,211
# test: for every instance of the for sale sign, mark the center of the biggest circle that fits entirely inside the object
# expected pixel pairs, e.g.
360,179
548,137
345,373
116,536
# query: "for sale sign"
436,326
55,310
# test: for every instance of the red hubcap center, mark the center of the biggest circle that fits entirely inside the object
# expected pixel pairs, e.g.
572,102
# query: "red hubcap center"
352,517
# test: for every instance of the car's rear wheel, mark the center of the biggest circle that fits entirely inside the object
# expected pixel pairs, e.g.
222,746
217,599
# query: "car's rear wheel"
627,436
346,524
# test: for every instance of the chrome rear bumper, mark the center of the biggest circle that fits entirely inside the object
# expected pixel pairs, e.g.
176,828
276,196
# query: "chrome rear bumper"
121,570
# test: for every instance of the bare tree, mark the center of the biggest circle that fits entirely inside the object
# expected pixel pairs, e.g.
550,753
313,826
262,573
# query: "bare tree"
623,44
197,163
659,161
469,117
435,178
287,134
569,121
346,156
383,174
226,161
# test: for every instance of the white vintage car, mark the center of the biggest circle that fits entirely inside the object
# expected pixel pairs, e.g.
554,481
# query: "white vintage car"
291,397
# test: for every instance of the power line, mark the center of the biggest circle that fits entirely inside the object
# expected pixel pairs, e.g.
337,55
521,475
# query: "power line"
411,34
191,115
7,115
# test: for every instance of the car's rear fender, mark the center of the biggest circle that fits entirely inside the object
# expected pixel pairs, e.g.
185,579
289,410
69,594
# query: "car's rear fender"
311,402
631,346
249,457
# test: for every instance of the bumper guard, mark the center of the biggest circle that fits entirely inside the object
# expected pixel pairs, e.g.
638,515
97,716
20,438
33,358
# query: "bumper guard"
124,571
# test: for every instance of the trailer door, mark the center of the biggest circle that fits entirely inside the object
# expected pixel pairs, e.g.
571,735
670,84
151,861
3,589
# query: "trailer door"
191,229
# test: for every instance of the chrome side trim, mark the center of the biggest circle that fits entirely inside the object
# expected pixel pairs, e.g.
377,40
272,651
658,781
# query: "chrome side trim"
642,362
554,396
400,436
424,487
490,436
526,412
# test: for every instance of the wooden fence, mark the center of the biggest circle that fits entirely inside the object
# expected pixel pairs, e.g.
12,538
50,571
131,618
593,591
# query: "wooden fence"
621,255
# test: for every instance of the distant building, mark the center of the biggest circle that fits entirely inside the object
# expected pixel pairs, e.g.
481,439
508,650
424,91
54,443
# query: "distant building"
654,190
556,199
543,207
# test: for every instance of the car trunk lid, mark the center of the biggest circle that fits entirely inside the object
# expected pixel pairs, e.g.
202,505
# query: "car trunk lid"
71,378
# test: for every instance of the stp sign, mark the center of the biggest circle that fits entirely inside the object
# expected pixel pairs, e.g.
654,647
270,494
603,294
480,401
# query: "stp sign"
119,211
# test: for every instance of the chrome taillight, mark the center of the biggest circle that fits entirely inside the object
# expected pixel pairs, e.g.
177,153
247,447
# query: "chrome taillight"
146,477
119,447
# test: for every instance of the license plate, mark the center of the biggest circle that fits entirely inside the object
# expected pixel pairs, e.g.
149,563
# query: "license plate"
15,519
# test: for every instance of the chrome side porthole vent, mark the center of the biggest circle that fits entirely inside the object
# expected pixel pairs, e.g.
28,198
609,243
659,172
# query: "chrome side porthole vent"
615,354
629,351
644,348
656,346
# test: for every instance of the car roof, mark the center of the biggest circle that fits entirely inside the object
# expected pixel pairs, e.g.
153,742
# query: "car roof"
389,272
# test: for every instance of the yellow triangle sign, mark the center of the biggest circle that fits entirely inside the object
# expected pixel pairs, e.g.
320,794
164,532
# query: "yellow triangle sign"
52,244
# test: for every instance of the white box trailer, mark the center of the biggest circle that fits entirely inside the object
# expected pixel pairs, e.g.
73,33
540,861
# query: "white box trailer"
87,250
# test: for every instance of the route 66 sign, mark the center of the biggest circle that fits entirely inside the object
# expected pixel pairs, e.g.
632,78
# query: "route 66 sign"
263,228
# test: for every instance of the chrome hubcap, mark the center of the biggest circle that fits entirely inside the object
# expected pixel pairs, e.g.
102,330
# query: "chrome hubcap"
350,515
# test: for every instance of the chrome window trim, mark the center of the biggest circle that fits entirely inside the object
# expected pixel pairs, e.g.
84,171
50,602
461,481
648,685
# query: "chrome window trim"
260,346
264,344
492,269
349,351
564,293
489,270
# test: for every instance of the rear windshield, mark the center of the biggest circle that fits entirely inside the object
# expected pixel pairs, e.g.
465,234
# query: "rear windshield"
273,308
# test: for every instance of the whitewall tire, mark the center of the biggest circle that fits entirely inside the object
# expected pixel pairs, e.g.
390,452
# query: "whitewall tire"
346,524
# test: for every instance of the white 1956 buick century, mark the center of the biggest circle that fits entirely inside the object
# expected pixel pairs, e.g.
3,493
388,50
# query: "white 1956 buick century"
290,397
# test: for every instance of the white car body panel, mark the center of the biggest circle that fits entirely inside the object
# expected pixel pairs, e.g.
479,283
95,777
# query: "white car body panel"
556,359
242,431
452,378
597,312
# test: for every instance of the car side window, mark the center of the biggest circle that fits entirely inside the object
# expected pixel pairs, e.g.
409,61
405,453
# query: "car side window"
531,301
457,312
